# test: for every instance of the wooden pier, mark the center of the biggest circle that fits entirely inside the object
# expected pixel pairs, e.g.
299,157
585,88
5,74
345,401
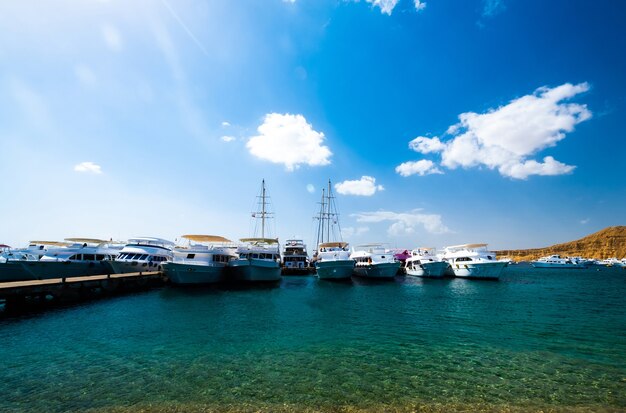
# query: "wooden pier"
22,293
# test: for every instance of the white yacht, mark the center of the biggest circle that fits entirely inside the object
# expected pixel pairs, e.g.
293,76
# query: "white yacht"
143,254
333,261
332,258
11,268
203,260
423,262
556,261
372,261
611,262
473,261
258,259
295,260
81,257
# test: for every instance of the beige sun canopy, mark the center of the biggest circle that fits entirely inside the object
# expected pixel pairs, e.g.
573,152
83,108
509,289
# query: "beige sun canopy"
206,238
333,245
86,240
260,240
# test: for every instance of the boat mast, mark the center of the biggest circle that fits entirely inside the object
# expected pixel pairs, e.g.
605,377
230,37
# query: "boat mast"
328,215
320,218
263,209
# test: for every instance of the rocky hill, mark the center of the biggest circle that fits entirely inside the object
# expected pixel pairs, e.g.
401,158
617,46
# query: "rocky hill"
607,243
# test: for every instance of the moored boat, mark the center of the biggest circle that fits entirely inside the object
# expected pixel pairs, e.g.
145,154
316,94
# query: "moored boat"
556,261
295,260
203,260
332,258
372,261
473,261
258,259
82,257
142,254
423,262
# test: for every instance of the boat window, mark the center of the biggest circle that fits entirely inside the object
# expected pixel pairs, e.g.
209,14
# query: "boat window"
243,256
75,257
255,255
99,257
489,257
191,256
89,257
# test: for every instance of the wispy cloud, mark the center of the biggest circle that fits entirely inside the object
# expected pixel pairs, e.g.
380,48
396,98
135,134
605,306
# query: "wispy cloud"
387,6
349,232
85,75
366,186
493,7
289,140
405,223
504,138
310,188
585,221
88,167
228,138
112,37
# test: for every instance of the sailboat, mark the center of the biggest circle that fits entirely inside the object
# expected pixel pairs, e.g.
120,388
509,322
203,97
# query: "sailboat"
258,259
332,259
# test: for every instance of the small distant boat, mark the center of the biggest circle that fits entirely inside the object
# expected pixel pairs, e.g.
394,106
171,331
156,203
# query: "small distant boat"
556,261
473,261
295,260
332,258
202,261
423,262
611,262
258,259
372,261
143,254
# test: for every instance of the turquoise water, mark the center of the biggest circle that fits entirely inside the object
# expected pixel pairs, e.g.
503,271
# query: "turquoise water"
535,340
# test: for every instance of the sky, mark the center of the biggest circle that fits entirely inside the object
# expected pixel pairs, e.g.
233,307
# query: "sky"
438,122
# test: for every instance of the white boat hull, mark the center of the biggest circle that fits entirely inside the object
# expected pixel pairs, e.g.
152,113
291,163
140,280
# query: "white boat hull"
334,269
482,270
437,269
383,270
189,274
555,266
254,270
44,270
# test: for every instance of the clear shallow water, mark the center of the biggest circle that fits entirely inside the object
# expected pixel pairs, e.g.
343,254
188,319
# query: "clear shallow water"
535,340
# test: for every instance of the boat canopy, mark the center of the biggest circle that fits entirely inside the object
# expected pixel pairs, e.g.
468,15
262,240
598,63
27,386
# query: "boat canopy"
370,245
206,238
5,246
333,245
86,240
260,240
53,243
150,241
467,246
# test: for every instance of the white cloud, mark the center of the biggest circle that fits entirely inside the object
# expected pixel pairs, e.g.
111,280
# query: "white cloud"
421,167
350,232
228,138
419,5
85,75
493,7
585,221
289,1
366,186
386,6
505,137
425,145
310,188
112,37
405,223
290,140
225,124
88,167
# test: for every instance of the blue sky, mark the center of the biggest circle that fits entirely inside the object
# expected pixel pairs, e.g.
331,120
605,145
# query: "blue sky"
440,122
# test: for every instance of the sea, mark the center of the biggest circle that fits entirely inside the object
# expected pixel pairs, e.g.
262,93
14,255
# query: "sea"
536,340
